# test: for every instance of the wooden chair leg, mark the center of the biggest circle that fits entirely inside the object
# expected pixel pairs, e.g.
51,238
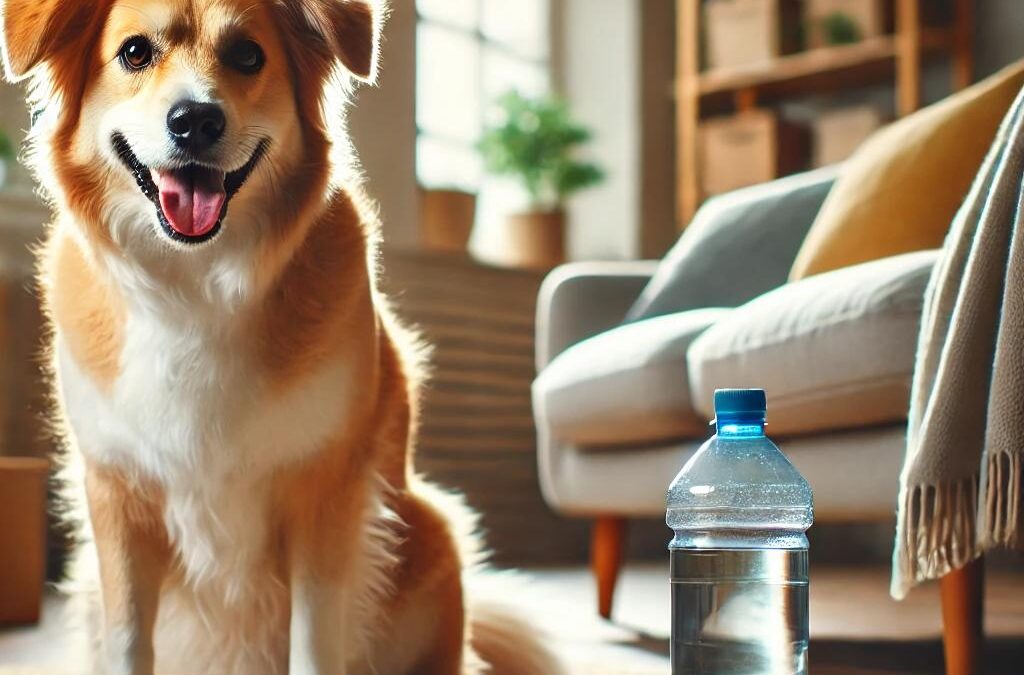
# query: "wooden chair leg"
607,545
962,618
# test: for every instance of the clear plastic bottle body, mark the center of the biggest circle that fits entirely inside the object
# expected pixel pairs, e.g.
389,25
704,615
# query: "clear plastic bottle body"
739,511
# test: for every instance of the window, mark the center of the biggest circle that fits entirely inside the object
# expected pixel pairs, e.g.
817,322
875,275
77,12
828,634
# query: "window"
469,52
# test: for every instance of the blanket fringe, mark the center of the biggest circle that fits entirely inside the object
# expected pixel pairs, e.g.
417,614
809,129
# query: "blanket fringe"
937,533
1001,501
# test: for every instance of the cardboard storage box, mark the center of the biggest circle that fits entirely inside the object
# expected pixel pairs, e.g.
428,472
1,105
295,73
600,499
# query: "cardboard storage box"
869,17
22,538
838,133
747,149
746,32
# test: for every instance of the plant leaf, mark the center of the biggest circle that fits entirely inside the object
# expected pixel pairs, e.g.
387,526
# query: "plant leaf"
535,140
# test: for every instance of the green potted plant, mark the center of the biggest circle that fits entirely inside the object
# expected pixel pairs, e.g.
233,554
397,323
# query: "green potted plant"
535,141
6,155
840,28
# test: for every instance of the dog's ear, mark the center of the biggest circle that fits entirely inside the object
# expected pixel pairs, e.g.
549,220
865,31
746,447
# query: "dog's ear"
348,29
33,31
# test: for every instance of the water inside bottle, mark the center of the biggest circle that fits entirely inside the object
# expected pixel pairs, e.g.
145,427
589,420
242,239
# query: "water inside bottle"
739,611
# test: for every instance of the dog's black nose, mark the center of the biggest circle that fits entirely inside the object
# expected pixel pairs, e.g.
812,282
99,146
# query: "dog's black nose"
195,126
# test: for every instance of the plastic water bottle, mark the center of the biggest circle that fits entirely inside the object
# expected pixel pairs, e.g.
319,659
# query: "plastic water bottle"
740,512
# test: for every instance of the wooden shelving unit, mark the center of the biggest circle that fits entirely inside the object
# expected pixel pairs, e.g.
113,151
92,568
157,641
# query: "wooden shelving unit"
897,57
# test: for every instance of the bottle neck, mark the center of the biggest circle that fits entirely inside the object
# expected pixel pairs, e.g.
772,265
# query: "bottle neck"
740,426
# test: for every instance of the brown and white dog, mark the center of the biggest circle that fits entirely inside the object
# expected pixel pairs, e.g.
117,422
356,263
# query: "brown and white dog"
240,398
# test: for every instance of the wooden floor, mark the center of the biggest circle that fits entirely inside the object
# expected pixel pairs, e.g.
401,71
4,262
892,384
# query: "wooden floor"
855,628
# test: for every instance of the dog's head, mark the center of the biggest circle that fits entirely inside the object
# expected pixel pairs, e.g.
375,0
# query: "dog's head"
159,114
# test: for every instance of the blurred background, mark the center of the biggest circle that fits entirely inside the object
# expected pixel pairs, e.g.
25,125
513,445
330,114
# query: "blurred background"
616,62
759,89
446,63
507,137
767,88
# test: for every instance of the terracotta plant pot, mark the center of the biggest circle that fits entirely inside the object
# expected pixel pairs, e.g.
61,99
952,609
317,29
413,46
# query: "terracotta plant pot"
446,219
535,239
22,538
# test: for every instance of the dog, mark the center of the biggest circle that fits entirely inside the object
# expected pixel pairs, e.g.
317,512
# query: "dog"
238,398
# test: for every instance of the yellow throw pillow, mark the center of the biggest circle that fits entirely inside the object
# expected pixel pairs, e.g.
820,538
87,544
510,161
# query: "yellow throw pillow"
900,190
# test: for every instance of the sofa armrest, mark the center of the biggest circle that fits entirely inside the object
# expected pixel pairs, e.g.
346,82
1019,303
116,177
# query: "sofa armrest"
579,300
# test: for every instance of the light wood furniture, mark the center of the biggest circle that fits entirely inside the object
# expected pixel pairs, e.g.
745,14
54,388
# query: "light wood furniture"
963,593
23,394
608,548
749,149
22,538
897,57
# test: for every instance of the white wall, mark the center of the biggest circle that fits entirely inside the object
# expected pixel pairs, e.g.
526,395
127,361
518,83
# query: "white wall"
600,62
382,124
616,66
658,184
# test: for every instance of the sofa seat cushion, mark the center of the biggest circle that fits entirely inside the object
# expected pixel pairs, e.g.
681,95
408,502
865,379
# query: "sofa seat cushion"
625,386
833,351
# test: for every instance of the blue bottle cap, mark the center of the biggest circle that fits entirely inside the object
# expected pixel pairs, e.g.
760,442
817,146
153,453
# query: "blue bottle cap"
740,403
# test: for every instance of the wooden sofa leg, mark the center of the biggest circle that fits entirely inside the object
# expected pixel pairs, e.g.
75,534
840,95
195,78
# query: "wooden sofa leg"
607,546
962,618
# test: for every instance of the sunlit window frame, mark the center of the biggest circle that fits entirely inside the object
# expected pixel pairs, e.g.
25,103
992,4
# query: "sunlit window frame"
482,43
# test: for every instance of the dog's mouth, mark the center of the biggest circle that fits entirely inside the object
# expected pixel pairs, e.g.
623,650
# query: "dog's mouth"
191,201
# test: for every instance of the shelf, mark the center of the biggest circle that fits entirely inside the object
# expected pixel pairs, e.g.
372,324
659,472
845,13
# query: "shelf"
895,59
805,71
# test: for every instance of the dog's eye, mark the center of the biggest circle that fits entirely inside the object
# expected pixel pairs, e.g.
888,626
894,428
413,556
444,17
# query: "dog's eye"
246,57
136,53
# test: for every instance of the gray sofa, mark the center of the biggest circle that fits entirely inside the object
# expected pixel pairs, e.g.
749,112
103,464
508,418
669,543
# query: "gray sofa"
629,355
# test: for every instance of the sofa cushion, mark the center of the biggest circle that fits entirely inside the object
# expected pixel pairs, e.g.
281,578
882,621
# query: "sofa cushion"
833,351
739,245
901,189
627,385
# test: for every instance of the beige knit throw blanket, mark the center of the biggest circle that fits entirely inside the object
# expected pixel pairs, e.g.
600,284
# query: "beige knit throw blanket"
960,490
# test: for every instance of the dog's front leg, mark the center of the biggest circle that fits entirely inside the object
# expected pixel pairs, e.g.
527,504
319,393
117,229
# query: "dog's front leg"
133,557
318,623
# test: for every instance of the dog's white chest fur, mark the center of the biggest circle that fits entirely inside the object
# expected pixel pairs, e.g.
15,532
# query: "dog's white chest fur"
190,405
191,411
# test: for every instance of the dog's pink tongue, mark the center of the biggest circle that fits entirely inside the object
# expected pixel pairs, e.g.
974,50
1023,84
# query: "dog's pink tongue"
191,199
